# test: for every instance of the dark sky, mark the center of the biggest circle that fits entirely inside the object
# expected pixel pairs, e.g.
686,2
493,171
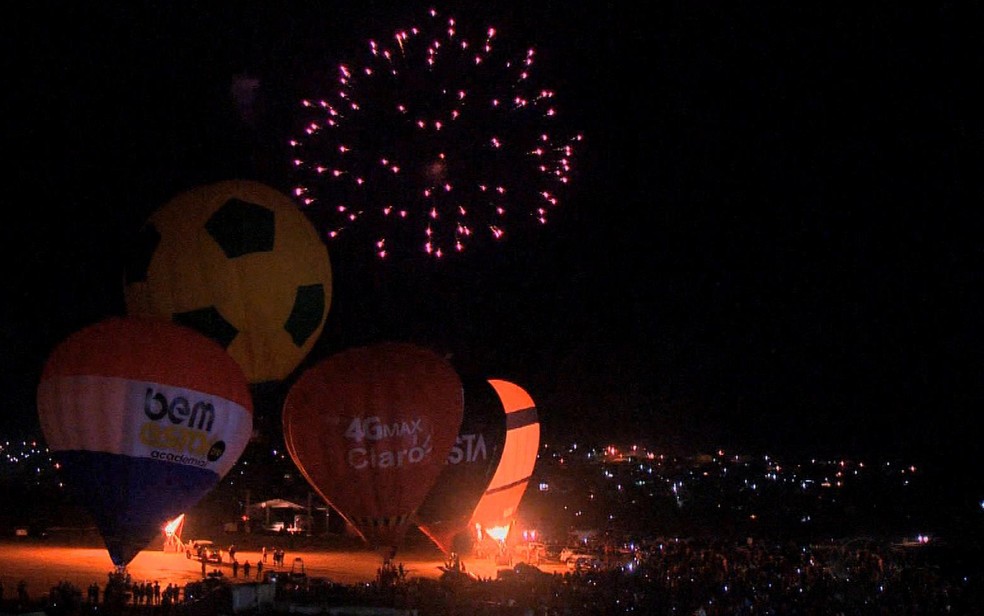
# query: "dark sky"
773,241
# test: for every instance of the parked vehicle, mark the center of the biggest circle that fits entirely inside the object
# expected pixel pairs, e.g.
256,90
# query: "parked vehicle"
584,563
194,546
570,555
197,548
297,573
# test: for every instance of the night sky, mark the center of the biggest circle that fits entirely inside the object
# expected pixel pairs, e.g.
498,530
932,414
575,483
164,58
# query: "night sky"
772,241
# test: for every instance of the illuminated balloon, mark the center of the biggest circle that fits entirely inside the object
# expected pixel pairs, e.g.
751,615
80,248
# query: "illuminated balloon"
144,418
445,514
496,511
370,429
239,262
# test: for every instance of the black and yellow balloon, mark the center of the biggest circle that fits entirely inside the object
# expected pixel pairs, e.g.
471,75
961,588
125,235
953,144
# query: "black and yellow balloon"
239,262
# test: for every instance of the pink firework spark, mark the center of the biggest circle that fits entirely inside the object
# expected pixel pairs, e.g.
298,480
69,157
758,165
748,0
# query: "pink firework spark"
451,130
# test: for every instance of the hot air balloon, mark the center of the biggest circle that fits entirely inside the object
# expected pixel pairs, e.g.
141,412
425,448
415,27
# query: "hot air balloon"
370,428
144,418
238,261
496,511
446,513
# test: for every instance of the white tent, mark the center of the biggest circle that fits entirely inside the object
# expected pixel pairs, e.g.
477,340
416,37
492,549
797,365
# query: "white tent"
275,503
264,508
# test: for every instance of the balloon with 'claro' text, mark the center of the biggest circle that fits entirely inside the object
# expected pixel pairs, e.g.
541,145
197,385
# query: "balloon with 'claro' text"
370,429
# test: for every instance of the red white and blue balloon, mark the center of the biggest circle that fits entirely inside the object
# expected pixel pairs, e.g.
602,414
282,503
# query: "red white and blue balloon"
144,417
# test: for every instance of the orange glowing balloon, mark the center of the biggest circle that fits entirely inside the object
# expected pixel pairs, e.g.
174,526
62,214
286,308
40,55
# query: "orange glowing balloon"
370,429
446,513
499,504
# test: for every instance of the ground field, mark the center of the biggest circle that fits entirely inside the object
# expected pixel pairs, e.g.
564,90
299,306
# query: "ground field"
43,566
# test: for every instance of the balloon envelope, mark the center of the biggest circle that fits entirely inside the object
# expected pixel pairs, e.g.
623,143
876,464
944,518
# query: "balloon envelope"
445,514
370,429
238,261
498,506
144,417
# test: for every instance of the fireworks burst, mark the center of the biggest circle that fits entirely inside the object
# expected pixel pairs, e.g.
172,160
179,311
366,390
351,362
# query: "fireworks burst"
439,139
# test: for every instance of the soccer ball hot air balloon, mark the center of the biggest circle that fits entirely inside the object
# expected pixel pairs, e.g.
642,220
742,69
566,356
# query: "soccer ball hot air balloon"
496,511
445,514
370,428
144,418
239,262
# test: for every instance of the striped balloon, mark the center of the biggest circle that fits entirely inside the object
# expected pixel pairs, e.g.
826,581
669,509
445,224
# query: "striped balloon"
498,506
445,514
144,417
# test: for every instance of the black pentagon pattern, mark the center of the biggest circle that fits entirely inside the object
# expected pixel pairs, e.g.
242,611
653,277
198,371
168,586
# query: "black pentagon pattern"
140,254
241,228
209,322
306,315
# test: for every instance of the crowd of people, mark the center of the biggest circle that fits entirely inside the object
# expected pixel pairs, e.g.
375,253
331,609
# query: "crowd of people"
678,577
718,578
704,578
